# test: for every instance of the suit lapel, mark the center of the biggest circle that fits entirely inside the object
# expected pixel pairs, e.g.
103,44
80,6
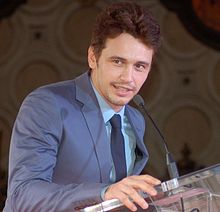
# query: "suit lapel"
95,124
141,148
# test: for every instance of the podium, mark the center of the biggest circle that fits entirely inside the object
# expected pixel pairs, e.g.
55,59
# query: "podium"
195,192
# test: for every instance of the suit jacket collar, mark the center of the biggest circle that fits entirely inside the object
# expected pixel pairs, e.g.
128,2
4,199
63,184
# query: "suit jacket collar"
84,92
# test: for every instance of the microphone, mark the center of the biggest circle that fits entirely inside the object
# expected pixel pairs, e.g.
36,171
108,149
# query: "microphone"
171,164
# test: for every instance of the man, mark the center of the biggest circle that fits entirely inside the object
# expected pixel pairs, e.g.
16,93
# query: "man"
61,157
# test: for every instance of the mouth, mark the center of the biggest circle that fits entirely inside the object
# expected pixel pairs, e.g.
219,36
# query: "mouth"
123,90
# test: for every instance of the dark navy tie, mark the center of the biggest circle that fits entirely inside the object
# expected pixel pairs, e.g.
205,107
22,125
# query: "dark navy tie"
118,148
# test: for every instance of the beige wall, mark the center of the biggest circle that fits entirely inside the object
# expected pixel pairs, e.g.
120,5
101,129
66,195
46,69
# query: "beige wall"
46,41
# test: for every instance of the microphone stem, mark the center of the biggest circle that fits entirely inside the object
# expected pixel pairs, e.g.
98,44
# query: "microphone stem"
155,126
171,164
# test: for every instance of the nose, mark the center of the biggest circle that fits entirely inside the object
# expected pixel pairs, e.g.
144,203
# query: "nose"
127,74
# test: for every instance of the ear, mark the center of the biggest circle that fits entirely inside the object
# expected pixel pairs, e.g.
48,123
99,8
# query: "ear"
91,58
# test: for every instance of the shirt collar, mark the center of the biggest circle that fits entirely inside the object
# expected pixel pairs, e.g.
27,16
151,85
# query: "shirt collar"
106,110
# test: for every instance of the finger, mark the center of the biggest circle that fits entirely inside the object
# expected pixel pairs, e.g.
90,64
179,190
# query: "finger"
137,198
145,187
139,184
148,179
127,202
131,196
149,189
152,180
126,194
120,192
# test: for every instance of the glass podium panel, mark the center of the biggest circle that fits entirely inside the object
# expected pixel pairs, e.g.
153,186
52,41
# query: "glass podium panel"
195,192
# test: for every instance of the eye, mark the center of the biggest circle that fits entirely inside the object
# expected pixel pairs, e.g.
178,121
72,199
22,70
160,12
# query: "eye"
117,61
140,67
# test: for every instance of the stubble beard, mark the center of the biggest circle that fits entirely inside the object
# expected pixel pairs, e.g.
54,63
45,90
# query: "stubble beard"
116,101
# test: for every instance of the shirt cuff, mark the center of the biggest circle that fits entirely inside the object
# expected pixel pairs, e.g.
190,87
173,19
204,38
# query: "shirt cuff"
103,192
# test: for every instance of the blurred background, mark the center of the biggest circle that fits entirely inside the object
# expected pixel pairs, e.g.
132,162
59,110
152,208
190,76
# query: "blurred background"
44,41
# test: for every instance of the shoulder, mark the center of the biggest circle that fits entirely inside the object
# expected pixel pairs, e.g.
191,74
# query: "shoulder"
48,98
65,89
57,87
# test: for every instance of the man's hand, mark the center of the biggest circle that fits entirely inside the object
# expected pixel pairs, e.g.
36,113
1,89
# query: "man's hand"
127,189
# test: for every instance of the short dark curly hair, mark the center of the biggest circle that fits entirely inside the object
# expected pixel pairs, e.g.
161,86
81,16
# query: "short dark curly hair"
125,17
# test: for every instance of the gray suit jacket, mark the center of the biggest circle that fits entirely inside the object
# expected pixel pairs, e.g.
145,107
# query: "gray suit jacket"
60,157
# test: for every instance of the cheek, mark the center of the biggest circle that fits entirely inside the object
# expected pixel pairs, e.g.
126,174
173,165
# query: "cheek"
109,75
140,81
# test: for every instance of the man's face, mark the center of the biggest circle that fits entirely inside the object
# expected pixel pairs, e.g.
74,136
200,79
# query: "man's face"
121,69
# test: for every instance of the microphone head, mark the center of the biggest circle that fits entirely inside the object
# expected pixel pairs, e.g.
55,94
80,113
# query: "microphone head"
138,100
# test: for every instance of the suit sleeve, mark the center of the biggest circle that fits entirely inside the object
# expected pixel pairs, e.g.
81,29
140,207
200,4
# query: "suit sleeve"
34,146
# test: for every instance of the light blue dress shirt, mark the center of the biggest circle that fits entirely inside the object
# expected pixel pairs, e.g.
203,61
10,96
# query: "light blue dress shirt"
129,137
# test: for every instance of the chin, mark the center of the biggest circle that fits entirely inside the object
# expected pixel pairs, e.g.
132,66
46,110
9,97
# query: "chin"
122,101
119,100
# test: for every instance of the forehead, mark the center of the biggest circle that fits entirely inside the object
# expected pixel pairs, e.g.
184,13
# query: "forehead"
128,47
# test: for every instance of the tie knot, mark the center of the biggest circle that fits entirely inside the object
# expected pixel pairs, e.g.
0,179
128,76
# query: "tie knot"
116,121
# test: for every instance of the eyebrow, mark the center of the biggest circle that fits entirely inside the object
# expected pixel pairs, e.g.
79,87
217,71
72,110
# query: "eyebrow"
123,59
117,57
